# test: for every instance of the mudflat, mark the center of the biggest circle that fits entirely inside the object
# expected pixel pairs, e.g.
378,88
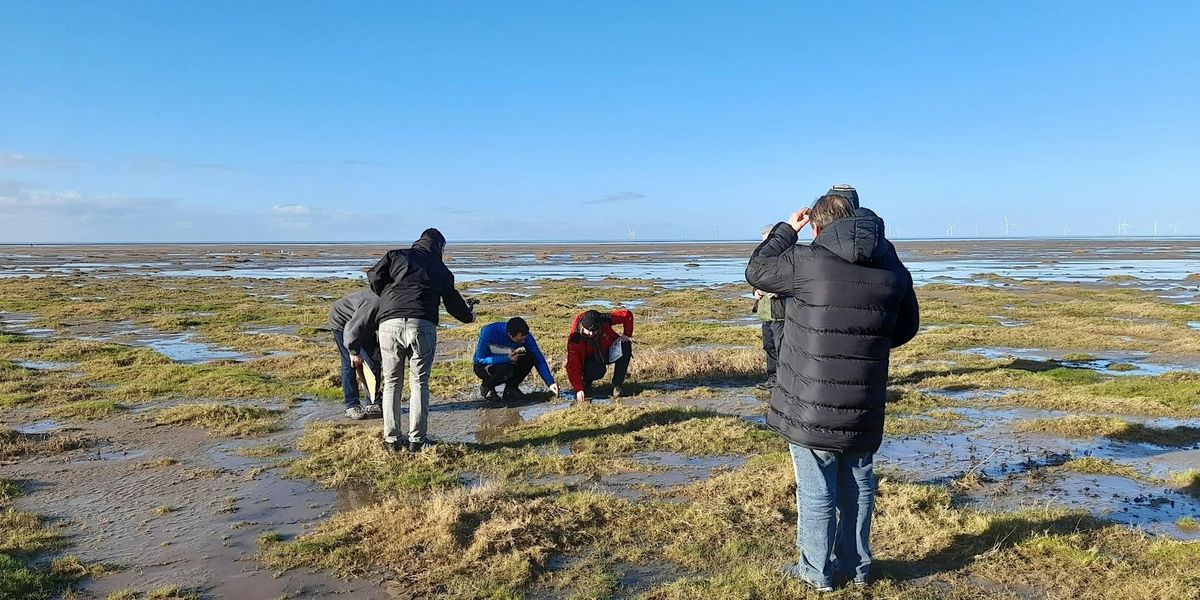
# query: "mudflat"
172,427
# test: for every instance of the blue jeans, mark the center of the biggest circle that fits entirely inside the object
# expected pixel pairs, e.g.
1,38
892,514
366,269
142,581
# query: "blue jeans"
349,377
835,496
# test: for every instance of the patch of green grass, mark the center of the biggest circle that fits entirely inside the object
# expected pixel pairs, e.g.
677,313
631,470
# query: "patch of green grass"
1099,466
937,421
1112,428
172,592
1187,481
84,409
222,419
1188,524
1072,376
269,538
23,537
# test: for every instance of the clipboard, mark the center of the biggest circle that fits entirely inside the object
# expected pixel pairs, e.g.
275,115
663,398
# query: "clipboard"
367,380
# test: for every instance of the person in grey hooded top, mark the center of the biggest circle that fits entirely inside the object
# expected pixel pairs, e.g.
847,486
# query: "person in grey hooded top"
352,321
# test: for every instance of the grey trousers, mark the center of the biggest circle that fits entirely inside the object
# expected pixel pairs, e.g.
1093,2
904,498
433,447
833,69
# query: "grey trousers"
411,342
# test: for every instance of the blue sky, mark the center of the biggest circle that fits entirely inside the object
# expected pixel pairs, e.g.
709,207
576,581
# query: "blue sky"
238,121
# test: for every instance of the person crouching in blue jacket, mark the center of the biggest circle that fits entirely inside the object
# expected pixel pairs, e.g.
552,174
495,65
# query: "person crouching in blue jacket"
505,355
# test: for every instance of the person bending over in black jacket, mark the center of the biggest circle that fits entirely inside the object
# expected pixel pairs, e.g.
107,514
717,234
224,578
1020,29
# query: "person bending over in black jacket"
411,283
849,302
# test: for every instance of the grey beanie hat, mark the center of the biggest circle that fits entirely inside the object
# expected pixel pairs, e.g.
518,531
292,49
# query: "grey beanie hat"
846,191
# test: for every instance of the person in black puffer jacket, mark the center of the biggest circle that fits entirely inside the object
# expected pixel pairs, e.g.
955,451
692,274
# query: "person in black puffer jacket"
411,283
849,302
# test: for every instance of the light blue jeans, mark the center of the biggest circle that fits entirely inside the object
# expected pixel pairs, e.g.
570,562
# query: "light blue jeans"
411,343
835,496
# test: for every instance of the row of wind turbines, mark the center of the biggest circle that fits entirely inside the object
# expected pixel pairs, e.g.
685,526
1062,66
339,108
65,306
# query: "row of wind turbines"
1122,228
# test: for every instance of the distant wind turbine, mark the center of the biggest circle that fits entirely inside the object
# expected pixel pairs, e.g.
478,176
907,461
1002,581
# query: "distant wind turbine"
1155,226
1175,228
1007,224
1122,227
1066,228
950,229
976,231
631,235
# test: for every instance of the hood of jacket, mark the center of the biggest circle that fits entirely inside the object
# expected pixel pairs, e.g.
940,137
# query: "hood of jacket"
431,240
858,239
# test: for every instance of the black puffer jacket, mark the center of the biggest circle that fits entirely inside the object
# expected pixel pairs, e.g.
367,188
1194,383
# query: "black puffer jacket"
412,282
850,301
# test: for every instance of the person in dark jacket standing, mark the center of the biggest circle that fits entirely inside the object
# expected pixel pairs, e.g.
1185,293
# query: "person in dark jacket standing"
411,283
352,321
771,313
849,302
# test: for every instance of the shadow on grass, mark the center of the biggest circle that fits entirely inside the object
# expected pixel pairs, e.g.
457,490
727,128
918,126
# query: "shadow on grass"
565,437
1003,533
1017,364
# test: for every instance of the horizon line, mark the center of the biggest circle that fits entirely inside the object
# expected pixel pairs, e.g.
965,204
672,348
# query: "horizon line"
582,242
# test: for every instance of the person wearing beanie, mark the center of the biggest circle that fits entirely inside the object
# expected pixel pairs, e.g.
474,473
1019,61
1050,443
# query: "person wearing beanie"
850,301
845,191
593,344
411,283
505,354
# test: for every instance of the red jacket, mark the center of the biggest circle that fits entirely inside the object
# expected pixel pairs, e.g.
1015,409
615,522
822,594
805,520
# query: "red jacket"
578,348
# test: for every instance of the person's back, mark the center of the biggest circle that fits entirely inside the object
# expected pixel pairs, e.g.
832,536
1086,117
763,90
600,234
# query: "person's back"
850,300
841,323
411,283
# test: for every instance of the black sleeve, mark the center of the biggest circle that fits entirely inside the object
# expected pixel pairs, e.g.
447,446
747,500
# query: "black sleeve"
455,305
380,275
771,267
908,321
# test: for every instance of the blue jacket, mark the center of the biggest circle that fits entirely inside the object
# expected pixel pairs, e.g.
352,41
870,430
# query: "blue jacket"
496,334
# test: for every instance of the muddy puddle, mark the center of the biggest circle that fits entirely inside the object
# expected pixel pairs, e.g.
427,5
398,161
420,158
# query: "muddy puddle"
44,365
271,329
38,427
1152,508
1108,363
1014,466
179,347
192,522
14,322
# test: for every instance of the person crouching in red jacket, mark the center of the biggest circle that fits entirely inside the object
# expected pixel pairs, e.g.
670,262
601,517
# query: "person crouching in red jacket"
593,345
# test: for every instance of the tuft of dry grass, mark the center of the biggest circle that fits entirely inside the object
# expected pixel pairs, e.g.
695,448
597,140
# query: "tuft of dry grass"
14,444
222,419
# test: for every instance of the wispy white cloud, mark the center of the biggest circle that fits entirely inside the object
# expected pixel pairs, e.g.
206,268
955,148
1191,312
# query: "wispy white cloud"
158,164
26,161
37,214
617,197
291,209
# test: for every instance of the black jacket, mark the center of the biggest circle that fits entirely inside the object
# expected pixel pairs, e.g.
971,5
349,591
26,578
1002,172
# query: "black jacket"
410,283
850,301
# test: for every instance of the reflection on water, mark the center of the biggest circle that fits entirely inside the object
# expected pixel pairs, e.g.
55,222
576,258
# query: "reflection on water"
1108,363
